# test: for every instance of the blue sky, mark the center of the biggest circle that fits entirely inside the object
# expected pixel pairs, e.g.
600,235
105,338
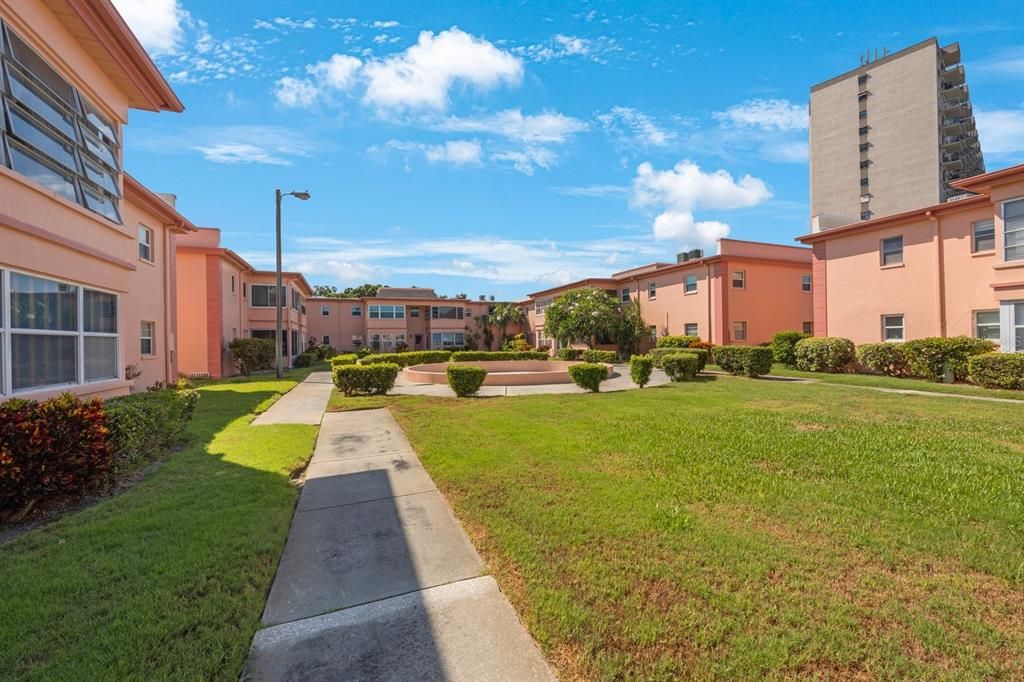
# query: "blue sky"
501,148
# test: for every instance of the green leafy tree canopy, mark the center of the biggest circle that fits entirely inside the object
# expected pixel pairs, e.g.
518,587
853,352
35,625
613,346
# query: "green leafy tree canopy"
582,314
361,291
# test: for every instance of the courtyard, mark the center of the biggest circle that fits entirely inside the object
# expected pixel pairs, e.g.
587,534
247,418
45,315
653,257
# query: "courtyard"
726,528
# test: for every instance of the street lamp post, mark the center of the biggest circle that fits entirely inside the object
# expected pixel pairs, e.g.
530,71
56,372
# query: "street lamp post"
278,194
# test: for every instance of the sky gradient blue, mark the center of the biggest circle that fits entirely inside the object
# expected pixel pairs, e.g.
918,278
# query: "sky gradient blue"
383,211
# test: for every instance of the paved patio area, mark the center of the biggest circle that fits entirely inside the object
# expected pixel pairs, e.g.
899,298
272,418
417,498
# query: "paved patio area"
621,382
378,580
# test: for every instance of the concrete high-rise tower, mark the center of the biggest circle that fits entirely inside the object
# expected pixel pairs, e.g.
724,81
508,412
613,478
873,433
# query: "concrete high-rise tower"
891,135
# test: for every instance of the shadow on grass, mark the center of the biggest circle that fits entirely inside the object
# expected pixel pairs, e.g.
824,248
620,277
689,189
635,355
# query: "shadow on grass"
167,579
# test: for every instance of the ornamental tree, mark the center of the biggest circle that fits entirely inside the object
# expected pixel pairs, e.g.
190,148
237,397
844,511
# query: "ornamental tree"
582,314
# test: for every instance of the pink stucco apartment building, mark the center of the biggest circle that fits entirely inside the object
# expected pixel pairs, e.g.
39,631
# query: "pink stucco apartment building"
221,297
416,317
87,281
955,268
742,295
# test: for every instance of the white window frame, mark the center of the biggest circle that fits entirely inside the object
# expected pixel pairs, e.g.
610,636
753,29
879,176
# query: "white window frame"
806,283
435,314
540,306
978,325
742,279
457,339
1011,325
739,330
1016,230
652,291
882,251
147,243
357,340
7,331
269,287
691,329
902,326
325,310
151,338
624,295
357,311
375,311
687,281
326,340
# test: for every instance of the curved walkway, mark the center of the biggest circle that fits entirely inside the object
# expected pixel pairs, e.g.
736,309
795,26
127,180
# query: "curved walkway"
622,382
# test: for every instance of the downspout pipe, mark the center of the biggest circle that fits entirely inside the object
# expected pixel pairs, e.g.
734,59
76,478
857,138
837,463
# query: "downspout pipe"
940,271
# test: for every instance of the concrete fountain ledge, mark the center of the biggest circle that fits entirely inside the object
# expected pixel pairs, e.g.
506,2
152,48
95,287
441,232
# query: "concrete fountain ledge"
501,372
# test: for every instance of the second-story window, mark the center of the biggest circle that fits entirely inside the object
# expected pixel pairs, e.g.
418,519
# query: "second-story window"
739,279
146,244
625,295
892,251
54,135
690,284
1013,230
652,291
805,282
263,295
325,310
983,236
387,312
446,312
357,311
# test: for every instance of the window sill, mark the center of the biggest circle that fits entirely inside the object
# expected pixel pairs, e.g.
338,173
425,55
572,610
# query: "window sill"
1009,265
983,254
690,293
150,263
892,267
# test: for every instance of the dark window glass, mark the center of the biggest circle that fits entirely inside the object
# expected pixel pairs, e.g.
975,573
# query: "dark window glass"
33,134
101,178
99,312
41,173
892,251
41,105
101,203
38,67
38,303
40,360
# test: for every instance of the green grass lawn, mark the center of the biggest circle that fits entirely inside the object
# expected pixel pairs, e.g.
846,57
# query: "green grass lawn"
741,529
879,381
167,580
339,402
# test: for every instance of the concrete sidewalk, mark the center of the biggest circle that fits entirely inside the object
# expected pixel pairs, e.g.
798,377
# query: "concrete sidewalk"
621,381
304,404
378,581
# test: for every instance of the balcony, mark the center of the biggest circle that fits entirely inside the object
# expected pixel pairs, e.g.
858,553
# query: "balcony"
953,76
958,109
954,92
949,55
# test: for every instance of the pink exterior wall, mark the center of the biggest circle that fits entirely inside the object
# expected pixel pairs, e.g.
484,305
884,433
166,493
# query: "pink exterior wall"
772,300
46,235
192,301
940,284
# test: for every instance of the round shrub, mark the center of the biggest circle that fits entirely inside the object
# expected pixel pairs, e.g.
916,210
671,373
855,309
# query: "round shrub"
831,354
997,370
569,353
930,357
304,360
640,367
251,355
465,380
607,356
752,361
884,358
678,341
377,378
681,366
589,375
784,346
344,359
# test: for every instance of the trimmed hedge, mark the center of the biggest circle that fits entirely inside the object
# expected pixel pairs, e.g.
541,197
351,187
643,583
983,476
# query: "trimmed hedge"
589,375
997,370
753,361
608,356
58,447
416,357
784,346
377,378
640,367
681,366
251,355
465,380
304,360
497,355
678,341
570,353
832,354
659,354
884,358
143,425
931,356
344,359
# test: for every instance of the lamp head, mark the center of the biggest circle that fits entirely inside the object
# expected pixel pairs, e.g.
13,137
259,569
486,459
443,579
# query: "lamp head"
302,196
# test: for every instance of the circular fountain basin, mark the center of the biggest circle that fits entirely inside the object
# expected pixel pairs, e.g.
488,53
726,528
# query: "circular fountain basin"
500,372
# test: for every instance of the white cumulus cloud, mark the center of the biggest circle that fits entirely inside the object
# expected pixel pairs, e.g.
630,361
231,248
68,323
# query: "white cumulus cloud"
422,76
680,191
158,24
769,114
549,126
338,72
1001,131
295,92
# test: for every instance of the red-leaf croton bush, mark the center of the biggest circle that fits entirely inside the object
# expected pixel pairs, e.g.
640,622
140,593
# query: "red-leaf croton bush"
53,448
